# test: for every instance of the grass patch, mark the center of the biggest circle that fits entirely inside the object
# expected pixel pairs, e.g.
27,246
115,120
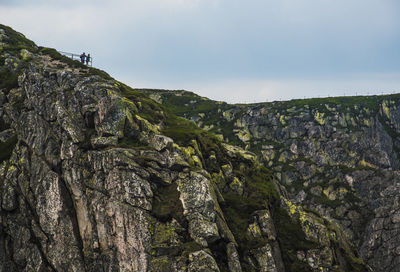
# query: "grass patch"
323,200
259,194
15,38
187,103
150,110
14,41
290,234
8,80
167,205
184,132
370,102
133,142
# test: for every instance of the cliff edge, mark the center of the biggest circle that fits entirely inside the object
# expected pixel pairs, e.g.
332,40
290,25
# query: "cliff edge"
97,176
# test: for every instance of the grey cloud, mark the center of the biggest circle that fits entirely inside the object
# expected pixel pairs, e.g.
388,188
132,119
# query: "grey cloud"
198,41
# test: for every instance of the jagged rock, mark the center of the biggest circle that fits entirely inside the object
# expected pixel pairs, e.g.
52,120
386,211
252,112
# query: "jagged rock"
264,259
233,258
300,197
96,177
6,135
159,142
104,141
199,208
267,228
237,186
235,151
336,157
203,231
9,200
202,261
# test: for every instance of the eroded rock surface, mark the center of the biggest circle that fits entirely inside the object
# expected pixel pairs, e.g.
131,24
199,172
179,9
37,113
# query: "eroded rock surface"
96,176
338,157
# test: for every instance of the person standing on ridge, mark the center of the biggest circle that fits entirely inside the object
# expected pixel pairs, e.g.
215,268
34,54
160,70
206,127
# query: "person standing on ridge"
88,59
83,57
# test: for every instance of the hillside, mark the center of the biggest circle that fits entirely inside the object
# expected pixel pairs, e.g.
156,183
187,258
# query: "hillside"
337,157
97,176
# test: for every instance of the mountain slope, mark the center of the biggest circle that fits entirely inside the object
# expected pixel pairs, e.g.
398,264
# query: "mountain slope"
96,176
335,156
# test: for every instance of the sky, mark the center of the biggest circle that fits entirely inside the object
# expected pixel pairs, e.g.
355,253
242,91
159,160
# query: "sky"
228,50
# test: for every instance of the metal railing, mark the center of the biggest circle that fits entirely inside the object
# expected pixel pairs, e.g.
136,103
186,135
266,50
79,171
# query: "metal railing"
76,57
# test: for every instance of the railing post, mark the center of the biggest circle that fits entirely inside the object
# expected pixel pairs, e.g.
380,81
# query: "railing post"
77,57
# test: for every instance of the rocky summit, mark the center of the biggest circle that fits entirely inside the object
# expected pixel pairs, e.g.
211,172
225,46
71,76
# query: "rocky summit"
98,176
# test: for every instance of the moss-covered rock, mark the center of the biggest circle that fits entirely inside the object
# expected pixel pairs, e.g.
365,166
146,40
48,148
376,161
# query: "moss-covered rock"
95,175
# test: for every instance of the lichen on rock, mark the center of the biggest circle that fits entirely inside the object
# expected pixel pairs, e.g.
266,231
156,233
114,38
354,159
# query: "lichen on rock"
97,176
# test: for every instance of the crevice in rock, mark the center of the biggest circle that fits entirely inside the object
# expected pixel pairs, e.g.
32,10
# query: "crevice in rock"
97,189
33,239
6,260
70,210
67,202
167,205
218,250
36,242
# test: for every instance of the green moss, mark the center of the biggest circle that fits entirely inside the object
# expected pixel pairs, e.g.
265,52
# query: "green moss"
291,239
8,80
388,127
327,202
97,72
167,205
353,262
17,45
189,105
14,41
190,247
352,198
182,131
18,101
7,147
348,170
183,102
259,193
15,38
319,103
148,108
162,264
133,142
226,128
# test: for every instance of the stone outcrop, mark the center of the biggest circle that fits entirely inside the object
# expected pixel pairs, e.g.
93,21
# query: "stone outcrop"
338,157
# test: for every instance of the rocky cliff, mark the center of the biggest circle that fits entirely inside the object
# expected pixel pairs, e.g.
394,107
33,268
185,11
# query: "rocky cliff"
97,176
336,157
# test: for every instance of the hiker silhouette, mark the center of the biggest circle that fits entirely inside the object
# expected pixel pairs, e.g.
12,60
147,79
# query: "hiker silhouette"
83,57
88,59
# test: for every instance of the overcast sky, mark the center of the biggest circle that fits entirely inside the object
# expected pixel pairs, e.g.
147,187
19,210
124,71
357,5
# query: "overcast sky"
229,50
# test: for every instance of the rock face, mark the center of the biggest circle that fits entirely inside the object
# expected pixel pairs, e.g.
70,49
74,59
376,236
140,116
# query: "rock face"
336,156
96,176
